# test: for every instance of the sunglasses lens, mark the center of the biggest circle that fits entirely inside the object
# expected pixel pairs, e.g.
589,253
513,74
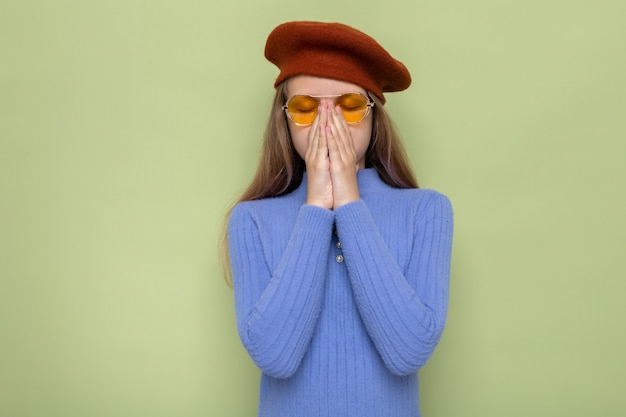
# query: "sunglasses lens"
354,106
302,109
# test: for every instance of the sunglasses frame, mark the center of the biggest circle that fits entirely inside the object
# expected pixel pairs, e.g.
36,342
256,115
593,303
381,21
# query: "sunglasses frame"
368,105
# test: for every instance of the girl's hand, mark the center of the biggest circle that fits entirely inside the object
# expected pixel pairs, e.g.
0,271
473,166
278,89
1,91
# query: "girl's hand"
343,158
319,186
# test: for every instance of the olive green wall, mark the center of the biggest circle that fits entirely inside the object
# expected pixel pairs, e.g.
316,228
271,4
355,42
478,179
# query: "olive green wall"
127,127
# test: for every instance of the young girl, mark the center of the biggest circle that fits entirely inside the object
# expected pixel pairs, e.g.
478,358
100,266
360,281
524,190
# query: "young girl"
340,264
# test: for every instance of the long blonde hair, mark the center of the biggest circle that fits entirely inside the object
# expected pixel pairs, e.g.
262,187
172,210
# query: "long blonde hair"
280,169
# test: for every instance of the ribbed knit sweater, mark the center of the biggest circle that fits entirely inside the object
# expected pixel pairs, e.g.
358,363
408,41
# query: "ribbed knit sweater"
339,309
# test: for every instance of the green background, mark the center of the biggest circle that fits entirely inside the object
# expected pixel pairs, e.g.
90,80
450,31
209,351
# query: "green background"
128,127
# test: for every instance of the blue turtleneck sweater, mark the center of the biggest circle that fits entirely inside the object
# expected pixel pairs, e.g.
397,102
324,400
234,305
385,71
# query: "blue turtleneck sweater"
339,309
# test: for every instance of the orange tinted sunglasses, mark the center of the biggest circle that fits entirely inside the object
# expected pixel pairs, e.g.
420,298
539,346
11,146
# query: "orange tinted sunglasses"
302,109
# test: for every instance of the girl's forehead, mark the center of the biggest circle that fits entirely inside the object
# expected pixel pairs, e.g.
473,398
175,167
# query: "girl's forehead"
316,86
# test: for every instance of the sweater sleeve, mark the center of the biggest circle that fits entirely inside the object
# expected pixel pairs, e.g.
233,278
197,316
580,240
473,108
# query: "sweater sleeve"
404,310
277,310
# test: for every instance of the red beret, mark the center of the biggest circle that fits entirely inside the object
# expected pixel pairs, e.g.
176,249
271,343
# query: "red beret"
337,51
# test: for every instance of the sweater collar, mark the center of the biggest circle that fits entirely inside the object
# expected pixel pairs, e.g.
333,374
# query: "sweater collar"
368,179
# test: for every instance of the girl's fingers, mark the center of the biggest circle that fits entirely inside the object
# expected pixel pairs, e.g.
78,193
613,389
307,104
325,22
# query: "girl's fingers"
340,121
342,135
323,123
332,140
342,159
319,184
333,150
313,140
